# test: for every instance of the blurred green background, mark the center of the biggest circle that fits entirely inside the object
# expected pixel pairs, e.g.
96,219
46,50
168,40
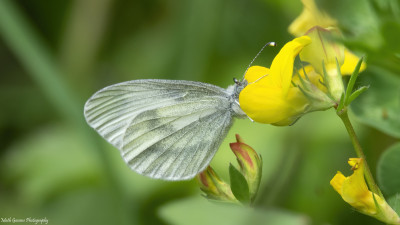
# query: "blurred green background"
55,54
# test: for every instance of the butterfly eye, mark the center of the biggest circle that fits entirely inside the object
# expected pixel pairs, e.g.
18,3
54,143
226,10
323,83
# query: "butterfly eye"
236,81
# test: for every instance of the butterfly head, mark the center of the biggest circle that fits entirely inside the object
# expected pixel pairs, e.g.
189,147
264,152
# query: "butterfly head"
234,91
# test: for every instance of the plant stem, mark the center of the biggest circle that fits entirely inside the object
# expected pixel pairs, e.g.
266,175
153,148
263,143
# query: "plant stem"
360,154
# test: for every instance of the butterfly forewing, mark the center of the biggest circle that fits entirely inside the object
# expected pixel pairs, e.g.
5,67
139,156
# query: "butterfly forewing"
164,129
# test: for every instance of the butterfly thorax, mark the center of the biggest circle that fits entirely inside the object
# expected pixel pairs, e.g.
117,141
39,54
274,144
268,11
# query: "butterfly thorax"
234,91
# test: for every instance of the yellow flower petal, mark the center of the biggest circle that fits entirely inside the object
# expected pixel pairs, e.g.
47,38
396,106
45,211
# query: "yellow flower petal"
281,70
337,182
354,191
310,17
350,62
264,105
255,73
323,49
268,97
297,104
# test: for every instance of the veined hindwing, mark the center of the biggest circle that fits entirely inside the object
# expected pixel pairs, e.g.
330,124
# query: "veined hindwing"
164,129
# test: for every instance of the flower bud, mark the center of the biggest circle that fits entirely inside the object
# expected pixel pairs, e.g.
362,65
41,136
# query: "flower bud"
250,164
214,187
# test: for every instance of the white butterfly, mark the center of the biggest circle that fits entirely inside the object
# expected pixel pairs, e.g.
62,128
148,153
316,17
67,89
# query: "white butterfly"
165,129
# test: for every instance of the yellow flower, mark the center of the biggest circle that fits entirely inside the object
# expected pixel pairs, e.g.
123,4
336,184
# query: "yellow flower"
325,53
323,50
354,191
277,97
310,17
313,17
269,96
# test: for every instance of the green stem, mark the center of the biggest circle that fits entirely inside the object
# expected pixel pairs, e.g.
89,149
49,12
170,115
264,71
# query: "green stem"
360,154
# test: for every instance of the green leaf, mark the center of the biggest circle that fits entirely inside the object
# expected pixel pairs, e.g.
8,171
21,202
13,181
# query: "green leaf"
388,170
394,202
352,81
239,186
380,106
198,211
356,93
357,19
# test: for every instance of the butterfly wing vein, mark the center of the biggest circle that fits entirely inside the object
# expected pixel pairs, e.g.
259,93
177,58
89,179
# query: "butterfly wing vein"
164,129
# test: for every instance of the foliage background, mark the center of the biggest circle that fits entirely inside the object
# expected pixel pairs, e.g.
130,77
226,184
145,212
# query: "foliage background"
55,54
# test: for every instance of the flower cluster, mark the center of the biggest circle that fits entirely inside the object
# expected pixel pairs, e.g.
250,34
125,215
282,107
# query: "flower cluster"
287,90
281,94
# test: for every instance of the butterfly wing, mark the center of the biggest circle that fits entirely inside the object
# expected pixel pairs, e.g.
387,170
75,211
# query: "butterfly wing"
164,129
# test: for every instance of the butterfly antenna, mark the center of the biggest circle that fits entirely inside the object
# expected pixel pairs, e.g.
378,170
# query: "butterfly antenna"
273,44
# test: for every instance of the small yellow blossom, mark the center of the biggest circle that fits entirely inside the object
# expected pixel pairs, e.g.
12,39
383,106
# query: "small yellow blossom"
277,95
270,96
323,50
325,53
354,191
310,17
280,96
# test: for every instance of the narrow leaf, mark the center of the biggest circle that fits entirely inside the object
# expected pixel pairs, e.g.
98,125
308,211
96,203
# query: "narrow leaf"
352,81
305,74
239,186
357,93
301,79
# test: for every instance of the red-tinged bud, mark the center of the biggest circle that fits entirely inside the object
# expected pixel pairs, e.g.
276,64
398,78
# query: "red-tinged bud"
214,187
250,164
